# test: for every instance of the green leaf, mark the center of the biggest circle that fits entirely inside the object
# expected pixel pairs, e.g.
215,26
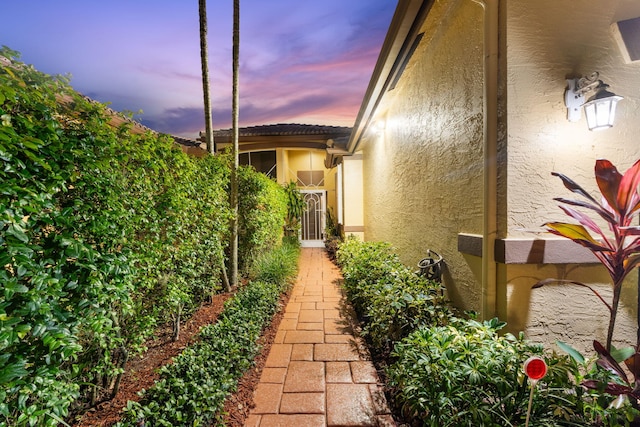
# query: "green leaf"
18,232
28,143
575,354
622,354
11,372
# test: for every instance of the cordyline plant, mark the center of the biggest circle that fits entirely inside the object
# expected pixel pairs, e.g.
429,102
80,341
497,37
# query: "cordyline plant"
618,249
619,253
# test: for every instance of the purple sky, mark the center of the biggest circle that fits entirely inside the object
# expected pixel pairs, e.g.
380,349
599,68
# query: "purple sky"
301,61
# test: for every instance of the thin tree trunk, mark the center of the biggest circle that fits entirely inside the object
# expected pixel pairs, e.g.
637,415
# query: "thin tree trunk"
122,366
204,59
225,277
124,357
235,132
177,318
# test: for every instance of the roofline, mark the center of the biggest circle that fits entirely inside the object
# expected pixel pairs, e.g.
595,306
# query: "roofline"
396,49
257,139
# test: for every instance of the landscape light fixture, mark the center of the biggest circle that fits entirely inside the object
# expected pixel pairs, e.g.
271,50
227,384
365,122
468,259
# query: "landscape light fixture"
600,108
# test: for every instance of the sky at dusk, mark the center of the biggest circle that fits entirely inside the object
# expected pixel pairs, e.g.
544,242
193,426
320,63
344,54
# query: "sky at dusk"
301,61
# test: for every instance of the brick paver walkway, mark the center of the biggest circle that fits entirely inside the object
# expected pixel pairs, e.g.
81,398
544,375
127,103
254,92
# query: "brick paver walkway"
317,373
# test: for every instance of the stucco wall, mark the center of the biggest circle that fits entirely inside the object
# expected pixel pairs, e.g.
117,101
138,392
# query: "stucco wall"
306,160
353,196
547,42
423,172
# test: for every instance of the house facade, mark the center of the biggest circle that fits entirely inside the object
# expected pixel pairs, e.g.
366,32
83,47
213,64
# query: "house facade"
295,152
463,122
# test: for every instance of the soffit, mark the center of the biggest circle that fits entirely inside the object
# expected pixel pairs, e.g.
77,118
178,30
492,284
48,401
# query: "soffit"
396,51
282,136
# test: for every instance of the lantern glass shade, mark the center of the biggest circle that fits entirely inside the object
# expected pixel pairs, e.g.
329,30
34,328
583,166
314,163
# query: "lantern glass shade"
600,110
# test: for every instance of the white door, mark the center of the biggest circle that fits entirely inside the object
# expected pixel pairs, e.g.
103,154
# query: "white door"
313,219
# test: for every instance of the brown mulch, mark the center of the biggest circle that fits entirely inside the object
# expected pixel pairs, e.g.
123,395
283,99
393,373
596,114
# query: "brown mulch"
239,404
142,372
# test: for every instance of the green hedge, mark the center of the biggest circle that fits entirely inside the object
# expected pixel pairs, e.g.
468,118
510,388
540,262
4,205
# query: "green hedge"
465,374
104,235
389,298
447,371
194,387
262,208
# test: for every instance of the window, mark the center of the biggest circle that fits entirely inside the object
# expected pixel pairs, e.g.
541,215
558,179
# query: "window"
310,178
262,161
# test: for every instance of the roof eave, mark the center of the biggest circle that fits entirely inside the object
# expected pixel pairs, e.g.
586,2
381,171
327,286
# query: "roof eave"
405,24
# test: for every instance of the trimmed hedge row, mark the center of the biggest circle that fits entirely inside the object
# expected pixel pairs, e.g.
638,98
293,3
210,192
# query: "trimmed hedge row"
390,299
447,371
262,210
194,387
104,235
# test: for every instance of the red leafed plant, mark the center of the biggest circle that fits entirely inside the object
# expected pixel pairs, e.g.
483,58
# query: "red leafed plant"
618,249
623,387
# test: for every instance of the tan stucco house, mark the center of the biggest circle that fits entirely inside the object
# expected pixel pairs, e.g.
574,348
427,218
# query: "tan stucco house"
296,152
453,148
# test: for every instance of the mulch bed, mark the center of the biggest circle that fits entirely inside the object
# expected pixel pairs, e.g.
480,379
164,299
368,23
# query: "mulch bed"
141,372
239,404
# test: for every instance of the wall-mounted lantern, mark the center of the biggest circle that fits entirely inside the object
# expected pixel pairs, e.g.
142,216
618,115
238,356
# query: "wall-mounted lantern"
600,108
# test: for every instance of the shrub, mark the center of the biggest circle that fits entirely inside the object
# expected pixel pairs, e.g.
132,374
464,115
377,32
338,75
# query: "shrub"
103,235
465,374
262,210
194,387
446,371
276,266
56,282
295,208
389,298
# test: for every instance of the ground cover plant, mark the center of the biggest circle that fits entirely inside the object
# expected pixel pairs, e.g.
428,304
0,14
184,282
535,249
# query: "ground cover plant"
104,235
446,369
467,374
194,387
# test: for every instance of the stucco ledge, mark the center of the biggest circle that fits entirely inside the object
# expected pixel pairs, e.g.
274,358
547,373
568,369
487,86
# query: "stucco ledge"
533,250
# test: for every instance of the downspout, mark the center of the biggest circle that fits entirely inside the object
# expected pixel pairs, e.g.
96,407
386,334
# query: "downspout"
490,156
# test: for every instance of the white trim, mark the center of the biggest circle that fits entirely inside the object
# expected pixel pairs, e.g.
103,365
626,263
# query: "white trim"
322,219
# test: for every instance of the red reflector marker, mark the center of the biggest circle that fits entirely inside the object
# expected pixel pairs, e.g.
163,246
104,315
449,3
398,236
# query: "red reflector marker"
535,368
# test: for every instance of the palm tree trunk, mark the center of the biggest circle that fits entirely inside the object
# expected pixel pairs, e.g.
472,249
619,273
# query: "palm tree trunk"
204,59
235,133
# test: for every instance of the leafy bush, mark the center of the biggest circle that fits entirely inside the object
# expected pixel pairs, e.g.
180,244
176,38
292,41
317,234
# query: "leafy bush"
446,371
103,235
56,282
465,374
295,208
194,387
262,209
601,378
389,298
